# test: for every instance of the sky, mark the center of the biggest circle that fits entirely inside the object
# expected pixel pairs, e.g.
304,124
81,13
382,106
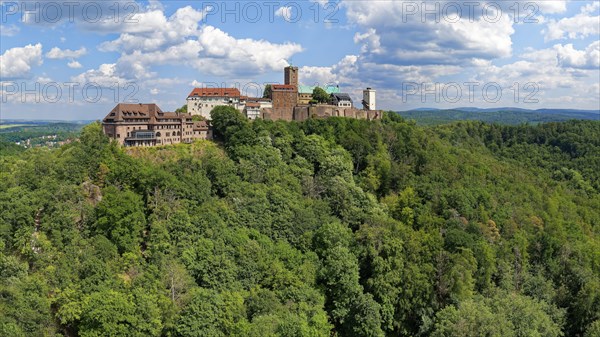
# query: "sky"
75,60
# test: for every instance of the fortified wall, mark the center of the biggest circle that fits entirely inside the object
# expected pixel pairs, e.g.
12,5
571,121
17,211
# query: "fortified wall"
302,113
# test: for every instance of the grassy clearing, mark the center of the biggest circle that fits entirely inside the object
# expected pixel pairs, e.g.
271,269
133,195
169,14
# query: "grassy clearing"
8,126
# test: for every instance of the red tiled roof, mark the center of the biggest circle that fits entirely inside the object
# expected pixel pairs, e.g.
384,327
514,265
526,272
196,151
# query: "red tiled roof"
171,115
253,105
150,112
132,111
200,125
215,92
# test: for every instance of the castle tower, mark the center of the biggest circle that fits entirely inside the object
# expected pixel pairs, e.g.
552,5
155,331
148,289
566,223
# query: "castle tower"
369,99
291,75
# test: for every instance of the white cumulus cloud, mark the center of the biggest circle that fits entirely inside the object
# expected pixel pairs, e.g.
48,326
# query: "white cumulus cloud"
181,40
105,76
17,62
287,13
583,59
558,67
408,33
581,25
57,53
153,30
9,30
74,64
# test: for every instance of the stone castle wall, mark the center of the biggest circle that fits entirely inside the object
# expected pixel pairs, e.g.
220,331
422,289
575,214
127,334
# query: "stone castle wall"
304,112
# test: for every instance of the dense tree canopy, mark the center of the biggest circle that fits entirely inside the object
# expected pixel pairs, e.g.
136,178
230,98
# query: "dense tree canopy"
328,227
267,92
320,95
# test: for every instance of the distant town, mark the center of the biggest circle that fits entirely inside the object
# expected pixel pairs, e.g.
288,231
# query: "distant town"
147,125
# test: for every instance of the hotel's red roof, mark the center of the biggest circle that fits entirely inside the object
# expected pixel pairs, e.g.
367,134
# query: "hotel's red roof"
215,92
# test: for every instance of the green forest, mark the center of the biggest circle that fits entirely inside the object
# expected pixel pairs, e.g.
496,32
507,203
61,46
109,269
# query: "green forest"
327,227
37,134
500,116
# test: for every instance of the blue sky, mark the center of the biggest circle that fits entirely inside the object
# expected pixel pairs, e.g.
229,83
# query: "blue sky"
77,59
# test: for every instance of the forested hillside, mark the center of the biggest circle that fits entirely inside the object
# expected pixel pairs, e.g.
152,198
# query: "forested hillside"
501,116
333,227
37,135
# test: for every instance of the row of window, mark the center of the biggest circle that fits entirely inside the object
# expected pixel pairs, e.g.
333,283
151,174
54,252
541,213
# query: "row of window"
213,99
168,134
151,134
142,134
212,105
161,127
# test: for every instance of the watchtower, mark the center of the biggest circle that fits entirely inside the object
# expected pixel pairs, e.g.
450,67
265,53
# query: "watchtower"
291,75
369,99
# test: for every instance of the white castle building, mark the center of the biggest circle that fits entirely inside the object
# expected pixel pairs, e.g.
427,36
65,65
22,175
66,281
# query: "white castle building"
202,100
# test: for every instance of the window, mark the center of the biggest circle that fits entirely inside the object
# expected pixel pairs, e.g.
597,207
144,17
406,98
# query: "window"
143,135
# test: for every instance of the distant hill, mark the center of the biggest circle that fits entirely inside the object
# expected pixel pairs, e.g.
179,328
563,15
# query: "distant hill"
39,127
5,121
36,133
509,116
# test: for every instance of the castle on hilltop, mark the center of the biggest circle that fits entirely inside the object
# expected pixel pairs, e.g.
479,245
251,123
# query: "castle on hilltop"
288,101
147,125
